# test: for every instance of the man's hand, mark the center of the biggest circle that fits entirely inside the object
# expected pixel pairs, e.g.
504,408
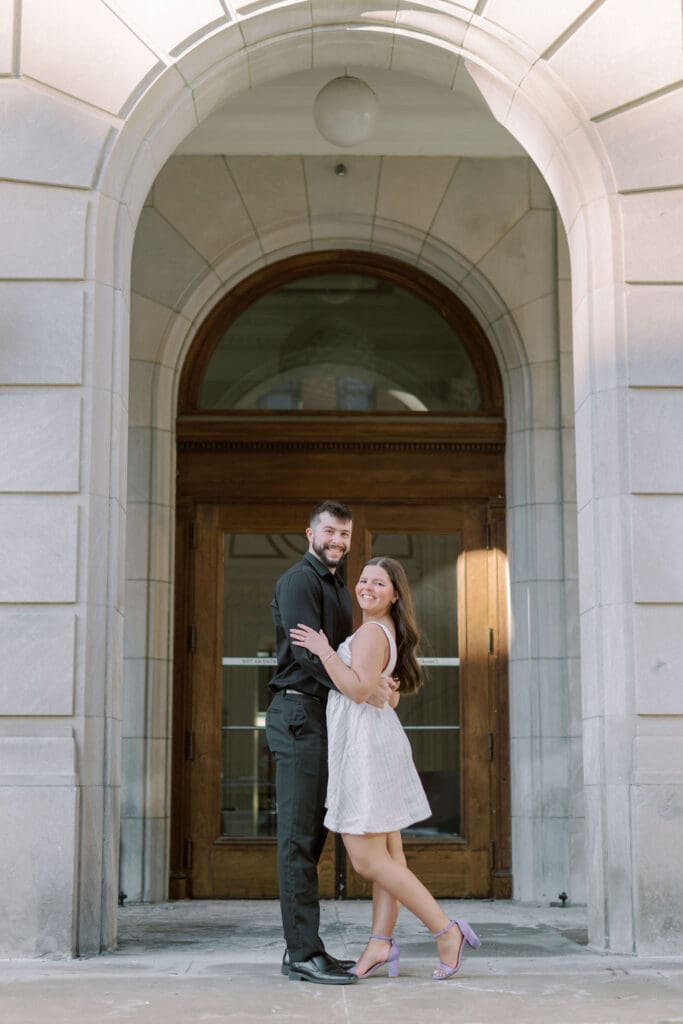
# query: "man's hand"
383,692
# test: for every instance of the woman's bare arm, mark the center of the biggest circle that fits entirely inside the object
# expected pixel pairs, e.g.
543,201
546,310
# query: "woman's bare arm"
369,653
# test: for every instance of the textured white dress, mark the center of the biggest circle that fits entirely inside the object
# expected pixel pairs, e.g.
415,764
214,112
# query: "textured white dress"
373,783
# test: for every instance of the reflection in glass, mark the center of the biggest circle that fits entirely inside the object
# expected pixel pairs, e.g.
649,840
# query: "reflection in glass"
432,718
252,562
341,342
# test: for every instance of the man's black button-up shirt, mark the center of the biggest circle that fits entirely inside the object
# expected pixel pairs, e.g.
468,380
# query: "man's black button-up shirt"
311,594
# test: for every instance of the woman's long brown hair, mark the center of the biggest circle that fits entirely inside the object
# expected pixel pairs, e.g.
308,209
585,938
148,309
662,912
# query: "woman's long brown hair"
407,633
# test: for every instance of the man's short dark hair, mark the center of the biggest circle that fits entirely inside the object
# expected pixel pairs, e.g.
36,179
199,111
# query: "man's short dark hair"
337,509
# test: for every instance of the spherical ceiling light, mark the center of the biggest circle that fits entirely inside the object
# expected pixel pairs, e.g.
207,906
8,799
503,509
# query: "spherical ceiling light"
345,111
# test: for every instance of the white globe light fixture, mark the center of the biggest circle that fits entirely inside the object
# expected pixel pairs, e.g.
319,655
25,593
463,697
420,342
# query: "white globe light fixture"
345,111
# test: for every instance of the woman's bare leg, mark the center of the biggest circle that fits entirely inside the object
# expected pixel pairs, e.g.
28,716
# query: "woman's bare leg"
371,859
385,908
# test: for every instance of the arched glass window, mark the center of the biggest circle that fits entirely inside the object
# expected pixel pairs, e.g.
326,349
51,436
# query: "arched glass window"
349,339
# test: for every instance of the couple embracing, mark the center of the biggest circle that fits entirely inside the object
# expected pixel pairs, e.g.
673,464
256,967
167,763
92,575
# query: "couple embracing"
343,761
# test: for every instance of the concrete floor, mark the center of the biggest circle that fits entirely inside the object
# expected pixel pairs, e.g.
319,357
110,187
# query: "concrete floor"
181,963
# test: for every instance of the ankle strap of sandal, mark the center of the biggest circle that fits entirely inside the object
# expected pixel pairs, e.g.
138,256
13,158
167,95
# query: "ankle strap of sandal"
437,935
387,938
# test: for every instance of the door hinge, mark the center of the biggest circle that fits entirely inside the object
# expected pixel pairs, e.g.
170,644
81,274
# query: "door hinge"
488,536
188,855
189,746
193,535
492,855
191,637
491,643
490,746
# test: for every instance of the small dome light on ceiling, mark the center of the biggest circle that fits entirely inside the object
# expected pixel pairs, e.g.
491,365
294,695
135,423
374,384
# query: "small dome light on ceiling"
345,111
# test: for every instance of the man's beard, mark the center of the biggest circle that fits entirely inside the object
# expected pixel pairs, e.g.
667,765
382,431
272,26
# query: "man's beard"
321,553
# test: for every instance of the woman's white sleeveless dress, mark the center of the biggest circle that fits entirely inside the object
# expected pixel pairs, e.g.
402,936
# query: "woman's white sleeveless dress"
373,783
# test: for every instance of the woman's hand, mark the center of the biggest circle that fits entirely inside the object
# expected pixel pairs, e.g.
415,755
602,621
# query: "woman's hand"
386,692
315,642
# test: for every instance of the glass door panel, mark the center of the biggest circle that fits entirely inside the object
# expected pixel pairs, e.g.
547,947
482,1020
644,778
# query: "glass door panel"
240,553
251,564
443,549
432,718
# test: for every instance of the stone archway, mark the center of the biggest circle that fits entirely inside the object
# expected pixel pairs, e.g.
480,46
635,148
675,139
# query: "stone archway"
576,115
291,46
166,313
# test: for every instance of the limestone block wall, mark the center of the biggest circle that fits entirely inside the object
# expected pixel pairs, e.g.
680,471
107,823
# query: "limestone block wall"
628,211
63,402
61,521
94,98
647,392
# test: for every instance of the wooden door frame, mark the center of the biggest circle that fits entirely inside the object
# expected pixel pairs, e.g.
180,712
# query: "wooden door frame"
216,468
226,457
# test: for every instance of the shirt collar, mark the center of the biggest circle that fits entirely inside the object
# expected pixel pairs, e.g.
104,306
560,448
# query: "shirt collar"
321,569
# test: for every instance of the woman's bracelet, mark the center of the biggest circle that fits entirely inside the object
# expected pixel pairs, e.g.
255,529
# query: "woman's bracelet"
330,655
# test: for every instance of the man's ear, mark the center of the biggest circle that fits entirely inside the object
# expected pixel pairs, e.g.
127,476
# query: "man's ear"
309,534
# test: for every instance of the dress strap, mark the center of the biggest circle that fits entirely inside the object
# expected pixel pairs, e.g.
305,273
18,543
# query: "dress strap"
393,651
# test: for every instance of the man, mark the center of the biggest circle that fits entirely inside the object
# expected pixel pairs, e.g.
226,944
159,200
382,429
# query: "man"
311,593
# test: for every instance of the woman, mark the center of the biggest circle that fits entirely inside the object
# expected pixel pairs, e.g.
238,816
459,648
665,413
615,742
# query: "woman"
374,790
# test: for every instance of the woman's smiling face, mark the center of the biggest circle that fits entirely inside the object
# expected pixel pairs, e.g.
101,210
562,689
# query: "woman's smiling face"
375,592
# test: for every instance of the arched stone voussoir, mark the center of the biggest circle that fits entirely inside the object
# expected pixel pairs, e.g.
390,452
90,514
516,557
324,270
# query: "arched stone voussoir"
87,51
434,18
261,21
163,116
235,56
434,60
138,148
481,297
174,25
262,47
493,47
446,266
549,122
353,45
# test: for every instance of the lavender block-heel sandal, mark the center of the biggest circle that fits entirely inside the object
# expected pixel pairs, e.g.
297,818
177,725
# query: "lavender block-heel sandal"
468,936
392,961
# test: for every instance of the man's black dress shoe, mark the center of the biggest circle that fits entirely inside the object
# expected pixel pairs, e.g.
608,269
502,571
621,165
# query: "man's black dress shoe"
320,969
344,965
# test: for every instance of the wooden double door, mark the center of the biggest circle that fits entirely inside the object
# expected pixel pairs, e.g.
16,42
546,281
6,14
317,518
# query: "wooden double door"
230,555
